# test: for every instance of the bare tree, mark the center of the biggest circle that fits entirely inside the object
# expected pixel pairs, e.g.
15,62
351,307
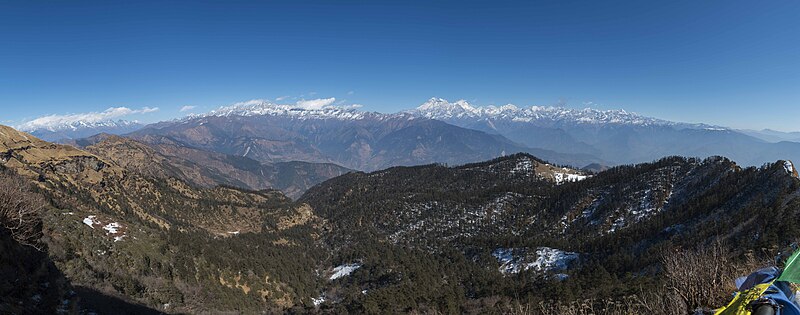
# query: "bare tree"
704,278
20,208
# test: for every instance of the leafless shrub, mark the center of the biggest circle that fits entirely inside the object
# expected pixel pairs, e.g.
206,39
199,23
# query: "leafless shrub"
659,301
20,208
693,280
704,278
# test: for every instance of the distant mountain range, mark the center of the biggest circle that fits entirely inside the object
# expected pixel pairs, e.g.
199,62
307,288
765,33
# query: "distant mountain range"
81,129
354,139
440,131
773,135
614,136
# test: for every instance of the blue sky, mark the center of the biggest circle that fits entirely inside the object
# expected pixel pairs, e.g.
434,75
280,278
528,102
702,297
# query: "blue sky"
728,62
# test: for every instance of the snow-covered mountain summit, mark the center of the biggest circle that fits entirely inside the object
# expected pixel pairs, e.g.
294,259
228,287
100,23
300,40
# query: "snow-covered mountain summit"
57,127
306,109
79,125
68,130
438,108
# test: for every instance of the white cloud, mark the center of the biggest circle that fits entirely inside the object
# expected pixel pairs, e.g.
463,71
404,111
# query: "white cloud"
52,121
316,103
187,108
280,98
351,92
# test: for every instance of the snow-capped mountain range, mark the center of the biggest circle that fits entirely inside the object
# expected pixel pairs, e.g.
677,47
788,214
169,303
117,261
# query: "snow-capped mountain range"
442,109
81,124
434,108
64,131
300,110
608,137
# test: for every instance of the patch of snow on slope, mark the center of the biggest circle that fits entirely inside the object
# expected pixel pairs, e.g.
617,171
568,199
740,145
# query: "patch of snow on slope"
618,224
318,301
90,221
113,229
552,259
524,166
561,178
789,167
344,270
544,259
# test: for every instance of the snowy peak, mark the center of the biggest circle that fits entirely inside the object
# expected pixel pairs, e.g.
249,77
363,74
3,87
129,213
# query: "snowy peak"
441,107
78,125
69,130
305,109
438,108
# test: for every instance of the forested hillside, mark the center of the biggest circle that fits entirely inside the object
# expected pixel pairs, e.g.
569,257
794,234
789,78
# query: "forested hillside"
505,230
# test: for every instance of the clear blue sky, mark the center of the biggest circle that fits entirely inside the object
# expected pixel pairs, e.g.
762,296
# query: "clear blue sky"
727,62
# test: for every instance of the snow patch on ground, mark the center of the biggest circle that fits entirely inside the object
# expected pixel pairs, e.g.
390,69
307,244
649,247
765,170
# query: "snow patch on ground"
543,259
318,301
90,221
561,178
344,270
618,224
113,229
523,166
789,167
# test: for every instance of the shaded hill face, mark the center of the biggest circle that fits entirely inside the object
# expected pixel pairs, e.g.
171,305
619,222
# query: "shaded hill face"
163,242
30,282
374,141
530,228
164,159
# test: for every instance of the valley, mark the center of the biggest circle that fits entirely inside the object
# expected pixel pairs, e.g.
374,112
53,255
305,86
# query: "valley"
175,229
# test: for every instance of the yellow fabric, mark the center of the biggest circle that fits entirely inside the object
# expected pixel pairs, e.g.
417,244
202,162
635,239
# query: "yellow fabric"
739,303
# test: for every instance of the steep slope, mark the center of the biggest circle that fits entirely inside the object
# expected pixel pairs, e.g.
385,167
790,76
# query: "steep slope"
163,159
162,242
358,140
544,239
